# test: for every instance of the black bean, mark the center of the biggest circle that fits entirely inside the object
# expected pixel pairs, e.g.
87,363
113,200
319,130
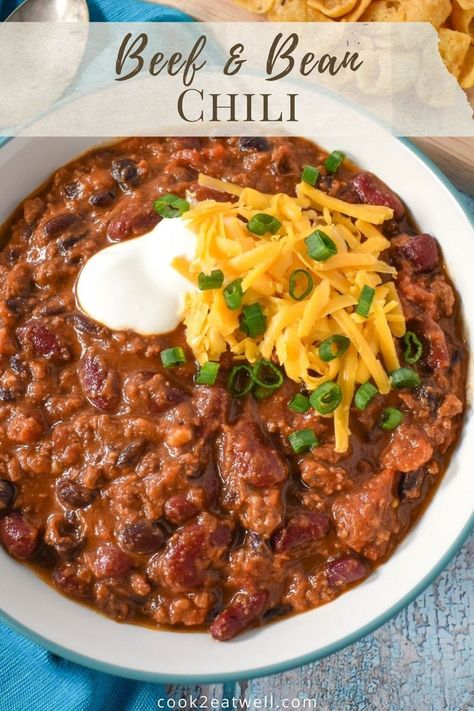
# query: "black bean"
252,143
7,495
411,484
72,190
275,612
142,537
125,173
71,493
17,365
102,198
131,453
12,255
64,245
59,224
83,324
18,305
7,395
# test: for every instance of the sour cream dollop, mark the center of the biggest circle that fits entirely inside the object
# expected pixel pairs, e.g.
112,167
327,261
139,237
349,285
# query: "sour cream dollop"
132,285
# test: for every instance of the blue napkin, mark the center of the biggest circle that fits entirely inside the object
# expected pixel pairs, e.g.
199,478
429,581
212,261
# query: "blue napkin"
116,11
31,677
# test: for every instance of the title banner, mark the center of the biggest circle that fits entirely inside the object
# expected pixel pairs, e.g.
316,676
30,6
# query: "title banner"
68,79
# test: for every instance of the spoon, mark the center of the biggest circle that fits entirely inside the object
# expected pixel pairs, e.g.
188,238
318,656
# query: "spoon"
50,11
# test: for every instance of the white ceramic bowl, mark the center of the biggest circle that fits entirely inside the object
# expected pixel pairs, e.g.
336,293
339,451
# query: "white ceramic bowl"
82,635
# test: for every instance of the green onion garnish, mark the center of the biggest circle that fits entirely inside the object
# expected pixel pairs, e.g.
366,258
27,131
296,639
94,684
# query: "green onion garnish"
172,356
333,161
320,246
233,294
365,301
214,280
326,398
364,395
170,206
299,403
333,347
240,380
207,373
252,320
405,378
267,375
414,347
303,440
391,418
310,175
262,223
261,393
308,284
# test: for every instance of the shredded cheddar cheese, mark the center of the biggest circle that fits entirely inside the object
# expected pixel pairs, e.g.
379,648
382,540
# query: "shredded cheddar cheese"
295,328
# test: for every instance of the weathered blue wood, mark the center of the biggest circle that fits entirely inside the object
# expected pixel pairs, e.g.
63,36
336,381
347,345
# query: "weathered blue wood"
422,660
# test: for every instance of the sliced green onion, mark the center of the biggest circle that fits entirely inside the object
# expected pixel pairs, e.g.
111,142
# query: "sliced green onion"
405,378
214,280
326,398
294,278
240,380
333,347
299,403
320,246
233,294
364,395
414,347
261,393
365,301
170,206
310,175
267,375
333,161
207,373
262,223
391,418
172,356
303,440
253,321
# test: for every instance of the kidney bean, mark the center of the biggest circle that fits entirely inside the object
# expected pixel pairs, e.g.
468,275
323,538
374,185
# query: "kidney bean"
422,251
60,224
345,571
302,529
65,577
99,383
373,191
84,324
110,562
7,495
131,223
244,609
102,198
45,343
143,537
254,143
72,494
131,453
18,536
64,245
125,173
178,509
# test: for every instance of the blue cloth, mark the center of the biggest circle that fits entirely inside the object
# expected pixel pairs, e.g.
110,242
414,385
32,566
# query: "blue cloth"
31,677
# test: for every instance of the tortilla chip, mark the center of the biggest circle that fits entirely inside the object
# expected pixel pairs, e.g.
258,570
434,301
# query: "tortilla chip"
259,7
434,11
466,77
357,12
466,4
288,11
333,8
453,47
313,15
462,20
